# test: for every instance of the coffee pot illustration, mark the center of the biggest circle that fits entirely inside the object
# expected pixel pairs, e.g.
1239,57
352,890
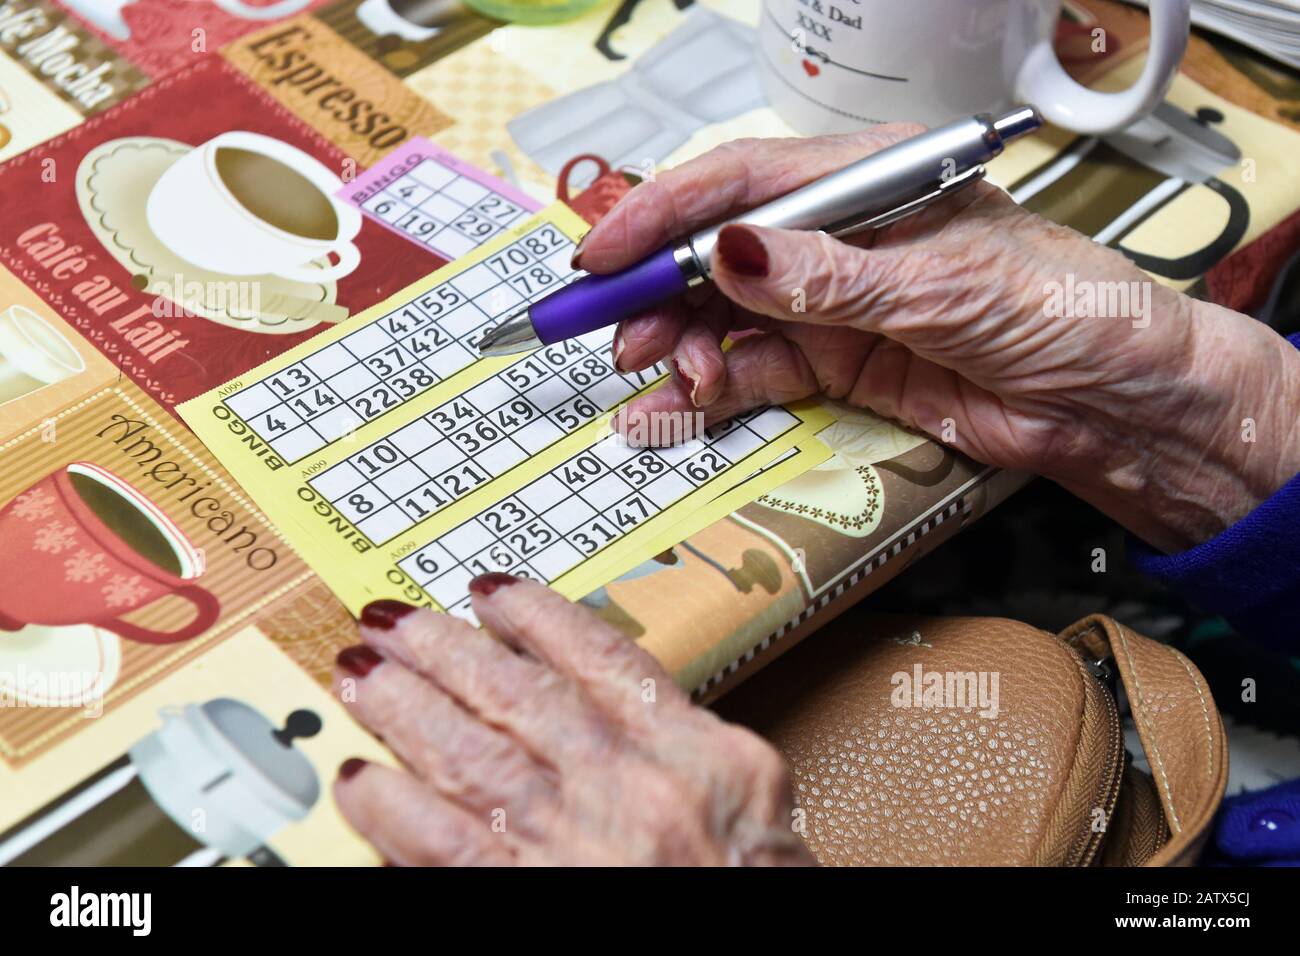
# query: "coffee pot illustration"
217,781
83,546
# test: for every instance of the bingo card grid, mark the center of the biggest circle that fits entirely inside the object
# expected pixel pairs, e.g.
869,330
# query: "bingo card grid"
581,507
441,208
416,471
397,356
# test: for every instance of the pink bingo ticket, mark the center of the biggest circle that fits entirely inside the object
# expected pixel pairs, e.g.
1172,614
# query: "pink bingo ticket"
432,197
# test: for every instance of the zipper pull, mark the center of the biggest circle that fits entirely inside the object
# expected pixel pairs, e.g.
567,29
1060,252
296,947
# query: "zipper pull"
1100,669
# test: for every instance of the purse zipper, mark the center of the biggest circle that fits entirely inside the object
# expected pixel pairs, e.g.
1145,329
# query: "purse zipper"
1099,668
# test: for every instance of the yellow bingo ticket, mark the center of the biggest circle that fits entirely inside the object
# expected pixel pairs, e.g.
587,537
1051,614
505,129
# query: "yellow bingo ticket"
399,464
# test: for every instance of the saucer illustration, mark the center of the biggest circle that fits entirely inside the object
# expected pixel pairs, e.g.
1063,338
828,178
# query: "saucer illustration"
844,498
844,492
113,185
70,666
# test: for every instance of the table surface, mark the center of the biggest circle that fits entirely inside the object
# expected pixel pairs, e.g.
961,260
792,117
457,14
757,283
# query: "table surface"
77,259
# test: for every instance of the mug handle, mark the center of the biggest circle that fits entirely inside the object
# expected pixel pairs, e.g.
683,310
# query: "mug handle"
205,603
349,259
562,180
1043,82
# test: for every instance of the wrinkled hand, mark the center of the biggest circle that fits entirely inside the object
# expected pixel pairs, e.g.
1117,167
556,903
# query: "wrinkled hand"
561,742
940,321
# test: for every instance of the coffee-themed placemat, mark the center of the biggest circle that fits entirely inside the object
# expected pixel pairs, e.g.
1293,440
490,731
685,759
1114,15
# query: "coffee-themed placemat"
54,72
195,221
127,551
216,243
244,712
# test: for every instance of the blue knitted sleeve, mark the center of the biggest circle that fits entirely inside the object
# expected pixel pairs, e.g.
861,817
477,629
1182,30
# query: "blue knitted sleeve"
1249,574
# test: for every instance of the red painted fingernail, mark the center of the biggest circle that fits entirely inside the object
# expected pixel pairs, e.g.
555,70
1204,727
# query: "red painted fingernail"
351,767
359,660
382,615
577,253
485,584
692,383
743,252
619,346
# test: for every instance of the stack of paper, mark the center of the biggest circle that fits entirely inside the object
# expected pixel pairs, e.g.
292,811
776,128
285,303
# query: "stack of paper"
1270,26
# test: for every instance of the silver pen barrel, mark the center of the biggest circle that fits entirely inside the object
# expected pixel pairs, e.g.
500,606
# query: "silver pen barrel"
881,182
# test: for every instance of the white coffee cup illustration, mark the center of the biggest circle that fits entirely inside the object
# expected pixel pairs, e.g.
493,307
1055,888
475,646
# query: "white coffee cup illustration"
273,11
832,66
247,204
416,22
107,14
33,354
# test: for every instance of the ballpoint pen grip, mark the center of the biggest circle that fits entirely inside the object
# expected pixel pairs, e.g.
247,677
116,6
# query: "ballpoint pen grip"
596,301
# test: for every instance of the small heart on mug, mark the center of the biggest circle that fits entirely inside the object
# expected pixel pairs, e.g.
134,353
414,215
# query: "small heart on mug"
812,69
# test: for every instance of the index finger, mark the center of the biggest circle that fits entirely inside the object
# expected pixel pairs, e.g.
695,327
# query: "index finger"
601,659
727,180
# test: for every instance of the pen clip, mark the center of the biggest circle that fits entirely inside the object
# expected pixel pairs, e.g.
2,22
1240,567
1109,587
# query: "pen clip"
945,188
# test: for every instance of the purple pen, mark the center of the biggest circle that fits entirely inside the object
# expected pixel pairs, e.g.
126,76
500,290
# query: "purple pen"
872,192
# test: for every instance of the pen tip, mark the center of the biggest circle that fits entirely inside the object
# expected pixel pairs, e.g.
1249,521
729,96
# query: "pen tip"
514,334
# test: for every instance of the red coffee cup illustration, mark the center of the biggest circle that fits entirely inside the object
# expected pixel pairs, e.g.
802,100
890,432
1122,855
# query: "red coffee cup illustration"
84,546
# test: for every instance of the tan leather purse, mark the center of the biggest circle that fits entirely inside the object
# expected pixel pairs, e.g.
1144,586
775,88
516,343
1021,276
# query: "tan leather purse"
890,768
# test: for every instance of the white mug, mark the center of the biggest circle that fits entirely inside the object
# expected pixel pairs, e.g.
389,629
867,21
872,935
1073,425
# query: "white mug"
831,66
193,211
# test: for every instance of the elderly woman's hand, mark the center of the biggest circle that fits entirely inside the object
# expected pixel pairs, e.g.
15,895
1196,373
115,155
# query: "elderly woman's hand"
945,322
558,742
